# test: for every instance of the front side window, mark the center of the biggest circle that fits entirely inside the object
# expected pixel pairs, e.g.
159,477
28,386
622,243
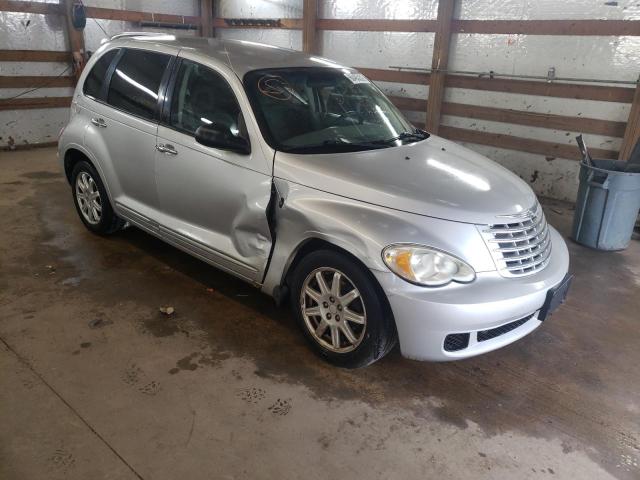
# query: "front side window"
95,80
135,83
203,98
325,110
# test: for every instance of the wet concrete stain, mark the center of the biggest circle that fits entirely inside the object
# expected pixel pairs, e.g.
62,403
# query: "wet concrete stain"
520,388
197,360
161,325
43,175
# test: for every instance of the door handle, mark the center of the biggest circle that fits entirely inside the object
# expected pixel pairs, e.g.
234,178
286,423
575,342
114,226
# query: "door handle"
168,149
99,122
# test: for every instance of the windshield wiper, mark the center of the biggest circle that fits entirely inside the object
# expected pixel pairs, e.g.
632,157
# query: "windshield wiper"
415,135
333,146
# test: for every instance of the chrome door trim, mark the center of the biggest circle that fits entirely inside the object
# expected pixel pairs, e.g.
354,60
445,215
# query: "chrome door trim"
136,218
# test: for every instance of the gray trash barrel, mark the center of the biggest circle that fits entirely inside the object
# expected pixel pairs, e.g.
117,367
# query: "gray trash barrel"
607,205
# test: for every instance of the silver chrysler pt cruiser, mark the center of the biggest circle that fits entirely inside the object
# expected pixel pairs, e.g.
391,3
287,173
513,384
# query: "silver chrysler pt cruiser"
299,176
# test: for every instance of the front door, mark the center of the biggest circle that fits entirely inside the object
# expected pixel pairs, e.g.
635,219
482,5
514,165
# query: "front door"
213,203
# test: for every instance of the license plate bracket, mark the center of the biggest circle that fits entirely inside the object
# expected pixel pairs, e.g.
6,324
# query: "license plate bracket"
555,297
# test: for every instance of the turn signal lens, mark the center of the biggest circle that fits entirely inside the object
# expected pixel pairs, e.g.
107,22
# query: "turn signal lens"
426,266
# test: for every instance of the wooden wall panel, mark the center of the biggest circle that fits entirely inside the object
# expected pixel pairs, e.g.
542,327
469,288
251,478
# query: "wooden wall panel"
39,102
632,132
439,63
34,56
309,26
549,27
35,81
548,149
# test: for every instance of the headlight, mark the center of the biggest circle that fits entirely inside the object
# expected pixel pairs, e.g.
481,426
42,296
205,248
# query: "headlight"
426,266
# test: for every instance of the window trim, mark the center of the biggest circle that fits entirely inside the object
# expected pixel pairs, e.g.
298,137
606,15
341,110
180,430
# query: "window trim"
109,76
165,119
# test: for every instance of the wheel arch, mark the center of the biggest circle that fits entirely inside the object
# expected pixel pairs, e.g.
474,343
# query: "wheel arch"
72,157
314,244
75,154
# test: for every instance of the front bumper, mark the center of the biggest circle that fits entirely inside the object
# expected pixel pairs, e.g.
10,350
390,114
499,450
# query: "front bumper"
425,316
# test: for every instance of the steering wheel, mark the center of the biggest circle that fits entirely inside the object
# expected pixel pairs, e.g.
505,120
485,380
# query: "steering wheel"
349,113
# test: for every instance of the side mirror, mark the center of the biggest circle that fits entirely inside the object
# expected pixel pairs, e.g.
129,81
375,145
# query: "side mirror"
216,137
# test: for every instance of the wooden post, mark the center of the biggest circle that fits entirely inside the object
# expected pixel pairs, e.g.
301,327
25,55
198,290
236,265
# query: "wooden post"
206,17
76,40
439,62
632,132
309,31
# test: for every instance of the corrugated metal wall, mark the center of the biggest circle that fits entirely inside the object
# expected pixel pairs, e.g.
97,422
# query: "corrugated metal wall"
584,57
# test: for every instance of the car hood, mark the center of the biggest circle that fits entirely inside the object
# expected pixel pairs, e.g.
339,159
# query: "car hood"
434,177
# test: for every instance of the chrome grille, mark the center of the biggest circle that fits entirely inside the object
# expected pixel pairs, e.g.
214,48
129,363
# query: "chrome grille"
521,245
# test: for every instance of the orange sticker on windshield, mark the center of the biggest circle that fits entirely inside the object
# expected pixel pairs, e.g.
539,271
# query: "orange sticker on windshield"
274,87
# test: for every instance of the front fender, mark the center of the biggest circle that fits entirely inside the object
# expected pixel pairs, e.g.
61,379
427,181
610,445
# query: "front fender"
361,229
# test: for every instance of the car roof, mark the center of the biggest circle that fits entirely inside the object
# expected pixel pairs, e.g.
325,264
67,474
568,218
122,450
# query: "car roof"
241,56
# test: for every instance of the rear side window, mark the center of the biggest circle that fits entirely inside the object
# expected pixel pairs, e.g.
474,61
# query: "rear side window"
95,80
136,81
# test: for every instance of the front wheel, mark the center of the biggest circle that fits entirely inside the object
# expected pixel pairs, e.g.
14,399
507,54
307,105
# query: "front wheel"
340,310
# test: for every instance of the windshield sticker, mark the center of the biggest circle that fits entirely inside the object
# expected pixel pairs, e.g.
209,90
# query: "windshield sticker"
278,88
356,77
274,87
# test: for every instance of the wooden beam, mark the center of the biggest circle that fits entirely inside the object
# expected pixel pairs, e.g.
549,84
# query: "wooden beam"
76,40
31,103
505,27
439,62
31,7
545,89
33,56
282,23
377,25
518,117
206,18
506,85
394,76
534,119
510,142
137,16
548,27
35,81
632,132
309,26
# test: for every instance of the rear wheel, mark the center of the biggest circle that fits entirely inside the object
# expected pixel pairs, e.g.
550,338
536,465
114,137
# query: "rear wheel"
91,200
340,310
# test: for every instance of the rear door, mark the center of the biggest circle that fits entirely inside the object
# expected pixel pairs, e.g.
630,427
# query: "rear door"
122,131
213,202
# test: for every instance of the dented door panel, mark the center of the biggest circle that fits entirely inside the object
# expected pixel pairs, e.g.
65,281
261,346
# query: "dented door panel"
213,206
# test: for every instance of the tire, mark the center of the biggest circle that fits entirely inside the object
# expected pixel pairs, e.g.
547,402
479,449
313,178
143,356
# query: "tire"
88,191
342,311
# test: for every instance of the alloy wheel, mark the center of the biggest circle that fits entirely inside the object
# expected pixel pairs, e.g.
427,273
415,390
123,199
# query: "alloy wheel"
333,310
88,198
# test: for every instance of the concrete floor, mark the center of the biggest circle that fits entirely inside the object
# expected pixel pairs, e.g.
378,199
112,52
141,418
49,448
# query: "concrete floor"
96,383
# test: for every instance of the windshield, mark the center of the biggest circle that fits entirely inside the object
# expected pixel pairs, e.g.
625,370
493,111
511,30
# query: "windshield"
325,110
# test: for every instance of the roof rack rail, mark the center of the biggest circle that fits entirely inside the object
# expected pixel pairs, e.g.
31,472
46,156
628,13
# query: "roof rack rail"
134,34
